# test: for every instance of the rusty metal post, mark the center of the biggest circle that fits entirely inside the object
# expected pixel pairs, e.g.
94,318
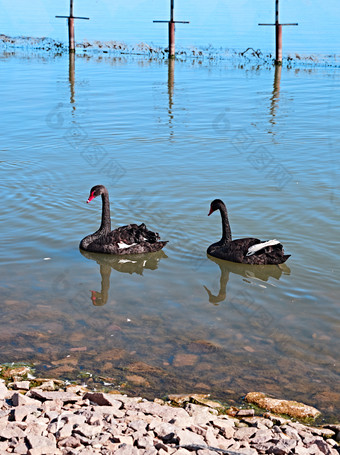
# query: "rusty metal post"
278,35
171,26
70,20
278,42
71,42
171,39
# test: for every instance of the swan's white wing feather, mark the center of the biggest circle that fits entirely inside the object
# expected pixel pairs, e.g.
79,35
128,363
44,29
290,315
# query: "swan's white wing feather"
259,246
122,245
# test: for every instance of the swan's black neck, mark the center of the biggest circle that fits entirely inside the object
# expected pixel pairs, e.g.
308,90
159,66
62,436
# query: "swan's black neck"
226,232
105,227
106,218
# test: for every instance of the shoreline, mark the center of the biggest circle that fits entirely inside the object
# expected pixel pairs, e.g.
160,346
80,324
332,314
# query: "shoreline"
59,419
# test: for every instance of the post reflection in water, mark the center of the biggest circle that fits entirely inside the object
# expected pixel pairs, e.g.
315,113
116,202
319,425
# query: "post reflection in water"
132,263
258,272
171,85
71,77
274,100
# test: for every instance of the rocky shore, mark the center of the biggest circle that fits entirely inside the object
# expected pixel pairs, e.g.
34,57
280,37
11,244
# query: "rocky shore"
72,420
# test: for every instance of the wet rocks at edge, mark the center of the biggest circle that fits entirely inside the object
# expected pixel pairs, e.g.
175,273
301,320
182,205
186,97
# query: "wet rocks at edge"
77,421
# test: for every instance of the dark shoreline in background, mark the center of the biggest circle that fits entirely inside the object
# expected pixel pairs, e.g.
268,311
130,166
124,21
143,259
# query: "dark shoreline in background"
202,54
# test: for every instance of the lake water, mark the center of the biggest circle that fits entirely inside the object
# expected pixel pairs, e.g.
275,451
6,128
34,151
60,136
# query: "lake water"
166,138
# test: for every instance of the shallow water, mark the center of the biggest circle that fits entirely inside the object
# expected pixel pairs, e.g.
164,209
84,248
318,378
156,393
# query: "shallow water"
166,139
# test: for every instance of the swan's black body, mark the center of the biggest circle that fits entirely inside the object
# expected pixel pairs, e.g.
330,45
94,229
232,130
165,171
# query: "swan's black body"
130,239
236,250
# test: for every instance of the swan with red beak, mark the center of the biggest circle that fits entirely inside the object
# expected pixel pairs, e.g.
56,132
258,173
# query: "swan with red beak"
129,239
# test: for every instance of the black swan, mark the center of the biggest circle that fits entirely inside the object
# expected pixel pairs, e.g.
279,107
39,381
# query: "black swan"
130,239
245,251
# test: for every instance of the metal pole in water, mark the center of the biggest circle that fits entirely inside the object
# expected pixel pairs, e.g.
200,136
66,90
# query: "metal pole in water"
71,43
278,34
171,39
70,20
278,42
171,27
171,31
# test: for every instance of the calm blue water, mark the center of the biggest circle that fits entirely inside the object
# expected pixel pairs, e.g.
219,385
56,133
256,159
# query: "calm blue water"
166,139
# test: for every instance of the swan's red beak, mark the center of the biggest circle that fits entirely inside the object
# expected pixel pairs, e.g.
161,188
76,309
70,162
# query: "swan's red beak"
92,196
211,211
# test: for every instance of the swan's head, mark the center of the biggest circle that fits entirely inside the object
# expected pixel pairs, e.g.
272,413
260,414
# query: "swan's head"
96,191
216,205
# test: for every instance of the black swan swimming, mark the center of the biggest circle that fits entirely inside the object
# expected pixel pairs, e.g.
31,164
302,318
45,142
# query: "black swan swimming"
245,251
130,239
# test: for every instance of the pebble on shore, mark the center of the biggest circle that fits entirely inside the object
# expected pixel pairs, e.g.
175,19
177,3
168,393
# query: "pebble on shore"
77,421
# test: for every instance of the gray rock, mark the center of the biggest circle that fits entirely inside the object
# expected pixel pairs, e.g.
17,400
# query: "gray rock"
41,444
314,450
89,431
300,450
125,439
258,422
12,431
167,413
200,414
69,442
245,413
126,449
332,442
20,448
21,412
261,436
292,433
103,399
151,451
144,442
23,400
243,434
210,437
188,438
65,431
223,443
277,420
74,419
38,427
206,452
65,397
138,425
324,432
284,447
247,451
226,427
165,431
3,390
20,385
323,447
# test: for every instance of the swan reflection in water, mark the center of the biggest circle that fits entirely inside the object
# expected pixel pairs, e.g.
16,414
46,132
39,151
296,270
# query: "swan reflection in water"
258,272
133,263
